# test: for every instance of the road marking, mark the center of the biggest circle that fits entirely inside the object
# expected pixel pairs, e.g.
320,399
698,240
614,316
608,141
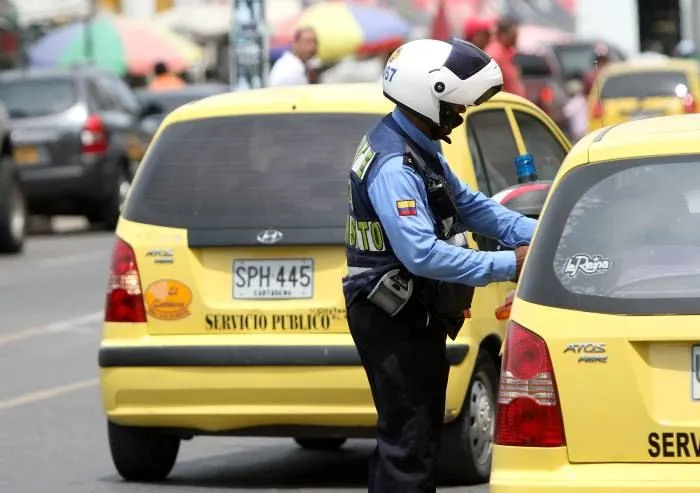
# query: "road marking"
42,395
74,323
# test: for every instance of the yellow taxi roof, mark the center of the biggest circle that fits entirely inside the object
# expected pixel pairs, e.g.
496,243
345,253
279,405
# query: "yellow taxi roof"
355,98
653,64
662,136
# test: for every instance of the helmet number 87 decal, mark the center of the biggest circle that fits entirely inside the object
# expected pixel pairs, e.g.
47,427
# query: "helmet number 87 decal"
389,73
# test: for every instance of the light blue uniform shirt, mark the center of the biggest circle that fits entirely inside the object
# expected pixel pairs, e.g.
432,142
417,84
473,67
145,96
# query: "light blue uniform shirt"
413,236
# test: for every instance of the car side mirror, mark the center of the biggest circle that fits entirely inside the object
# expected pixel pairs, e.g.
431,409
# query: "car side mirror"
526,198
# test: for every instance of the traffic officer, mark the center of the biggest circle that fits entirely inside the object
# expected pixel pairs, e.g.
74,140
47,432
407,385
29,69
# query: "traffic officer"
410,274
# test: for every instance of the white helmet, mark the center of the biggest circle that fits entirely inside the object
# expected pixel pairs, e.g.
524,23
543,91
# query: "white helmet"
421,76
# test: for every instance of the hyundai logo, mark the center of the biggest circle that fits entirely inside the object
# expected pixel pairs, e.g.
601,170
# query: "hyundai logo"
270,236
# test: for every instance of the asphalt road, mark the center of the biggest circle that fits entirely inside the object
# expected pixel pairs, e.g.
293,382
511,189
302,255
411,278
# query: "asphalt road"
52,430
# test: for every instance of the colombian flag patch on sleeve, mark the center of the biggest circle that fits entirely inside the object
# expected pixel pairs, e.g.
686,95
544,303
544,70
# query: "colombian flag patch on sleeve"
406,207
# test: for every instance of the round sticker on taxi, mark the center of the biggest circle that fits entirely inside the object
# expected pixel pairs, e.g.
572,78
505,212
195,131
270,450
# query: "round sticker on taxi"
168,299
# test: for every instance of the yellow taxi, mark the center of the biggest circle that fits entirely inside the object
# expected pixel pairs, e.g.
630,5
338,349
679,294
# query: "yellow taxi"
225,312
600,381
637,89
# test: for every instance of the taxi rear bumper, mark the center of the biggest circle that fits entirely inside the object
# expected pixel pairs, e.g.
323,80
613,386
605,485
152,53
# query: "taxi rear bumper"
247,390
530,470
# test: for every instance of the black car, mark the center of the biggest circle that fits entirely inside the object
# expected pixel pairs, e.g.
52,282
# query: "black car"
77,139
157,104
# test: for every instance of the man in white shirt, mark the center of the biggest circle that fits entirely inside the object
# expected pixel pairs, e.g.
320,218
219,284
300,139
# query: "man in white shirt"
292,67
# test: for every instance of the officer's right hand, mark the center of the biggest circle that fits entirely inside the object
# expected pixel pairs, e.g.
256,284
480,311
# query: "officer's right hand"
520,254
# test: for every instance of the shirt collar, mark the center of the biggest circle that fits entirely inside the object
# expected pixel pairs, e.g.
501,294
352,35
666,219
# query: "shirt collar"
416,135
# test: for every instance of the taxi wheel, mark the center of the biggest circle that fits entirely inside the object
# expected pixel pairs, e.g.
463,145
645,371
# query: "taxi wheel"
467,442
320,443
141,454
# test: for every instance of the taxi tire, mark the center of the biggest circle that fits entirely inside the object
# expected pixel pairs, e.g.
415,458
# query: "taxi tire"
142,454
320,443
456,462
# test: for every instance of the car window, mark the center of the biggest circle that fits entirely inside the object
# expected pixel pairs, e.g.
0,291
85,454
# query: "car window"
477,160
494,137
100,97
26,98
533,65
252,171
108,99
575,59
122,93
621,238
546,150
645,83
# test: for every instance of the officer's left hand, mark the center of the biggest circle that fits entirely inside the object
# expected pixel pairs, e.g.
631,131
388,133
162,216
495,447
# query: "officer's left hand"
520,254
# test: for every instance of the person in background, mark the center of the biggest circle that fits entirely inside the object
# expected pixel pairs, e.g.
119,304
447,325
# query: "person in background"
478,32
292,68
164,79
576,109
503,49
314,69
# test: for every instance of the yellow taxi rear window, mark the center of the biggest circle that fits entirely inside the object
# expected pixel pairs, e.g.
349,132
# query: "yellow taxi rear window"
621,237
645,84
250,171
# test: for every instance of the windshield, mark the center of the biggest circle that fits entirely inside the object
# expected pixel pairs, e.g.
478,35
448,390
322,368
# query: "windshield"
575,59
533,65
25,98
623,234
646,84
251,171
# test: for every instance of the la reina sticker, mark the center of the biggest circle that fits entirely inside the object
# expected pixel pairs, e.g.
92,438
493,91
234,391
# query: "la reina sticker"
168,299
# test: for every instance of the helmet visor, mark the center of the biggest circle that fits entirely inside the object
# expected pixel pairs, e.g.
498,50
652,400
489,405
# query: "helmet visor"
465,59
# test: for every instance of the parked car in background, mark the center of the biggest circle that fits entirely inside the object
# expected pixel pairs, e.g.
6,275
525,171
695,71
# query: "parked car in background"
544,84
577,58
77,139
634,90
13,207
156,105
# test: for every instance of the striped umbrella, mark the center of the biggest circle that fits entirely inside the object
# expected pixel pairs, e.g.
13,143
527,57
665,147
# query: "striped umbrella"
344,28
115,43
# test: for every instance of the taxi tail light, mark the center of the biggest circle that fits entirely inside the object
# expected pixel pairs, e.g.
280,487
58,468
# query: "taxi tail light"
597,109
688,103
528,409
124,297
93,136
503,311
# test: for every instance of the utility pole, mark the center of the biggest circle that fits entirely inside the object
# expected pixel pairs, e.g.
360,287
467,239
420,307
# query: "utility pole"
248,45
89,44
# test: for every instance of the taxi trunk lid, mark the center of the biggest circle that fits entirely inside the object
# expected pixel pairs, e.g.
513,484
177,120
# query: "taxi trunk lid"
252,229
629,387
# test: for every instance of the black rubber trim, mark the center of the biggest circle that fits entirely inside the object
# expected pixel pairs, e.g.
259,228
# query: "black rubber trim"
212,237
219,356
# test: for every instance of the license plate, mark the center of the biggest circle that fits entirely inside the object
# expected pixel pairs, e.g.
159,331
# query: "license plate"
285,279
26,155
695,373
